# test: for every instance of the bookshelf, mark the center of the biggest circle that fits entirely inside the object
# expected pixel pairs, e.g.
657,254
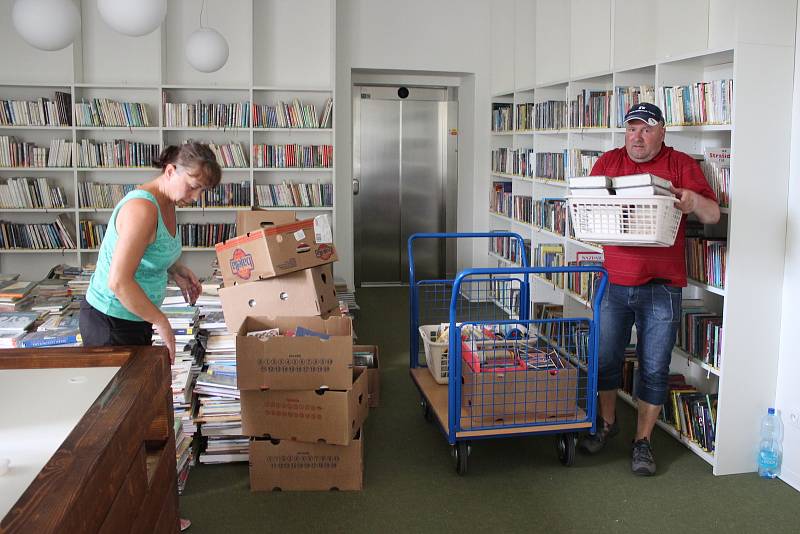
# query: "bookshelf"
261,70
573,57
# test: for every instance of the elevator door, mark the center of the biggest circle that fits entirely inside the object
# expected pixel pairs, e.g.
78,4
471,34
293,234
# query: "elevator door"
402,163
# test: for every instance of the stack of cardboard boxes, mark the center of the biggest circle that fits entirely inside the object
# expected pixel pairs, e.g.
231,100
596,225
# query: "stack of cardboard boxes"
303,401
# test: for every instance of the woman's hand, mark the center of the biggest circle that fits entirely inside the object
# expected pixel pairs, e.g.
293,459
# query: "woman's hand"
167,336
186,280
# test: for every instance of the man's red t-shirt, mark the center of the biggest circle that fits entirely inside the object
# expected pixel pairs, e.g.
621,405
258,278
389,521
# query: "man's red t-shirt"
633,266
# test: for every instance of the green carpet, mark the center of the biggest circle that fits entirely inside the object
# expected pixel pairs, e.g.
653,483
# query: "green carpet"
513,485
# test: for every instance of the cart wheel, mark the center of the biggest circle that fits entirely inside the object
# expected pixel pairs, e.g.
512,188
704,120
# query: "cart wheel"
427,411
460,452
565,445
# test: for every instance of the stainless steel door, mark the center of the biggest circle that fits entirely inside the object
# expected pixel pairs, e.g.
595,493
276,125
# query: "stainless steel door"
400,169
421,184
378,198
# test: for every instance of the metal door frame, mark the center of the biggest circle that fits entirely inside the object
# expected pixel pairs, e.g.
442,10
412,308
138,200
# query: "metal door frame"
391,94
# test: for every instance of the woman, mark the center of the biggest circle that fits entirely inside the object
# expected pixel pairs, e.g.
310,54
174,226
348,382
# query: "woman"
140,250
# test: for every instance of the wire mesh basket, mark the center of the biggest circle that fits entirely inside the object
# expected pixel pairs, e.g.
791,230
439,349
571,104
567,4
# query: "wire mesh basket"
629,221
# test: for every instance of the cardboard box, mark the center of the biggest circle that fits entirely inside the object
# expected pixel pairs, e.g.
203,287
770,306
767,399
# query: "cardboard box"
274,251
288,363
287,465
256,219
310,416
307,292
373,374
520,395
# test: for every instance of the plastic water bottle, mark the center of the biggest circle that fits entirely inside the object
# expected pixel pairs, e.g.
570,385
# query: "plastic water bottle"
770,452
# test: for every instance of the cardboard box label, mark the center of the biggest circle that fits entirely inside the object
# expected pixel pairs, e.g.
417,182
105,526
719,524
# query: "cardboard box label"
331,417
290,465
291,363
323,233
242,264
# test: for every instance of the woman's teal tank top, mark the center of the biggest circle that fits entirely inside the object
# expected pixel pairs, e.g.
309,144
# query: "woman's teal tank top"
151,274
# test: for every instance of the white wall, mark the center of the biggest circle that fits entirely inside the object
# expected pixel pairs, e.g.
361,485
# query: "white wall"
788,394
446,36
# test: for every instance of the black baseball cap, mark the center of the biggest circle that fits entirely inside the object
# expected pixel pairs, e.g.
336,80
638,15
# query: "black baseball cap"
647,112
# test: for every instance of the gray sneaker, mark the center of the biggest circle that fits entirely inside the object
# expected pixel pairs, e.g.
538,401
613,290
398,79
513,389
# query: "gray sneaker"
642,460
593,443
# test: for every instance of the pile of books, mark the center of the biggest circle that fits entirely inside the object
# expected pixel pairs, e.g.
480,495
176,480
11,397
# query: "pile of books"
219,412
15,294
633,185
36,314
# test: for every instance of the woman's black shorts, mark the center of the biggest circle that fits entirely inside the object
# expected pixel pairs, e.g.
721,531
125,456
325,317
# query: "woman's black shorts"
101,330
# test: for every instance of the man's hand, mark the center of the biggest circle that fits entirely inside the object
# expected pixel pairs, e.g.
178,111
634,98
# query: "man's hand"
186,280
706,210
687,200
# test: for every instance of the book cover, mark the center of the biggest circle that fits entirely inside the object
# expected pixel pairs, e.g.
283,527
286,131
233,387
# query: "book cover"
16,321
633,180
49,338
591,192
579,182
643,191
15,289
217,381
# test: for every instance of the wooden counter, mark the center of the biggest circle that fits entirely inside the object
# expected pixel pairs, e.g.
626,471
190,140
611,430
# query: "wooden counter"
115,471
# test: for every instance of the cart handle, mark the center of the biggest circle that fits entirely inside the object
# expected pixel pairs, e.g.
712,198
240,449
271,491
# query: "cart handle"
528,271
413,307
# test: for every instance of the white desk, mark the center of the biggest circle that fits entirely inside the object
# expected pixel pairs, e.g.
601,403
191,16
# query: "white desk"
38,409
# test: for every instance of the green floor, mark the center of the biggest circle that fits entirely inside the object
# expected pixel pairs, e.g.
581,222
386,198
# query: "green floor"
513,485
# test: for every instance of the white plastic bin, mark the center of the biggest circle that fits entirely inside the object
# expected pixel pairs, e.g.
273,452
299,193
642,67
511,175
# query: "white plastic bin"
435,353
627,221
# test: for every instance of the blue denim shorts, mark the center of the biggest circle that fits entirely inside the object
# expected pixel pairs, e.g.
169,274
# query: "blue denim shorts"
655,309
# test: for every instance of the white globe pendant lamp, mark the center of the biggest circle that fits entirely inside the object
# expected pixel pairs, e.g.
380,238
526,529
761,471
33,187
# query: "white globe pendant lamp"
133,17
46,24
206,50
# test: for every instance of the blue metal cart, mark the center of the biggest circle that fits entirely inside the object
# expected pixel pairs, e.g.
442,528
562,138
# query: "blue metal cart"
511,368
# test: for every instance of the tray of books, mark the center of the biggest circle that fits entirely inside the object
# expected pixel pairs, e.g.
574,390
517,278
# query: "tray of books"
637,210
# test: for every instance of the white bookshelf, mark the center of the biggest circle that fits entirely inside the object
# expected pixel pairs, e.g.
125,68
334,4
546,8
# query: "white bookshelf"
262,68
618,52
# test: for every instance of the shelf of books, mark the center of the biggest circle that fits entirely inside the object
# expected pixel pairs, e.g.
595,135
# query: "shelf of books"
561,130
78,145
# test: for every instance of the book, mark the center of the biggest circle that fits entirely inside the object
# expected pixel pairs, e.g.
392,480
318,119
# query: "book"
263,335
305,332
60,321
633,180
16,321
15,289
581,182
217,381
49,338
9,340
643,191
591,192
716,166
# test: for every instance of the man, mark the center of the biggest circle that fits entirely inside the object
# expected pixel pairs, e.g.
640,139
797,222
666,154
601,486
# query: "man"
645,284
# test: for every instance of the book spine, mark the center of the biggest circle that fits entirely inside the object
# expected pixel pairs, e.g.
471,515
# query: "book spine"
47,342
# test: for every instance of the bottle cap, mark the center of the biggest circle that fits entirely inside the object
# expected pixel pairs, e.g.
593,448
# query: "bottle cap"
771,411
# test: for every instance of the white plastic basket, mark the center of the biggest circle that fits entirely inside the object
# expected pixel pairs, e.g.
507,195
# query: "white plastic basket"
627,221
435,353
